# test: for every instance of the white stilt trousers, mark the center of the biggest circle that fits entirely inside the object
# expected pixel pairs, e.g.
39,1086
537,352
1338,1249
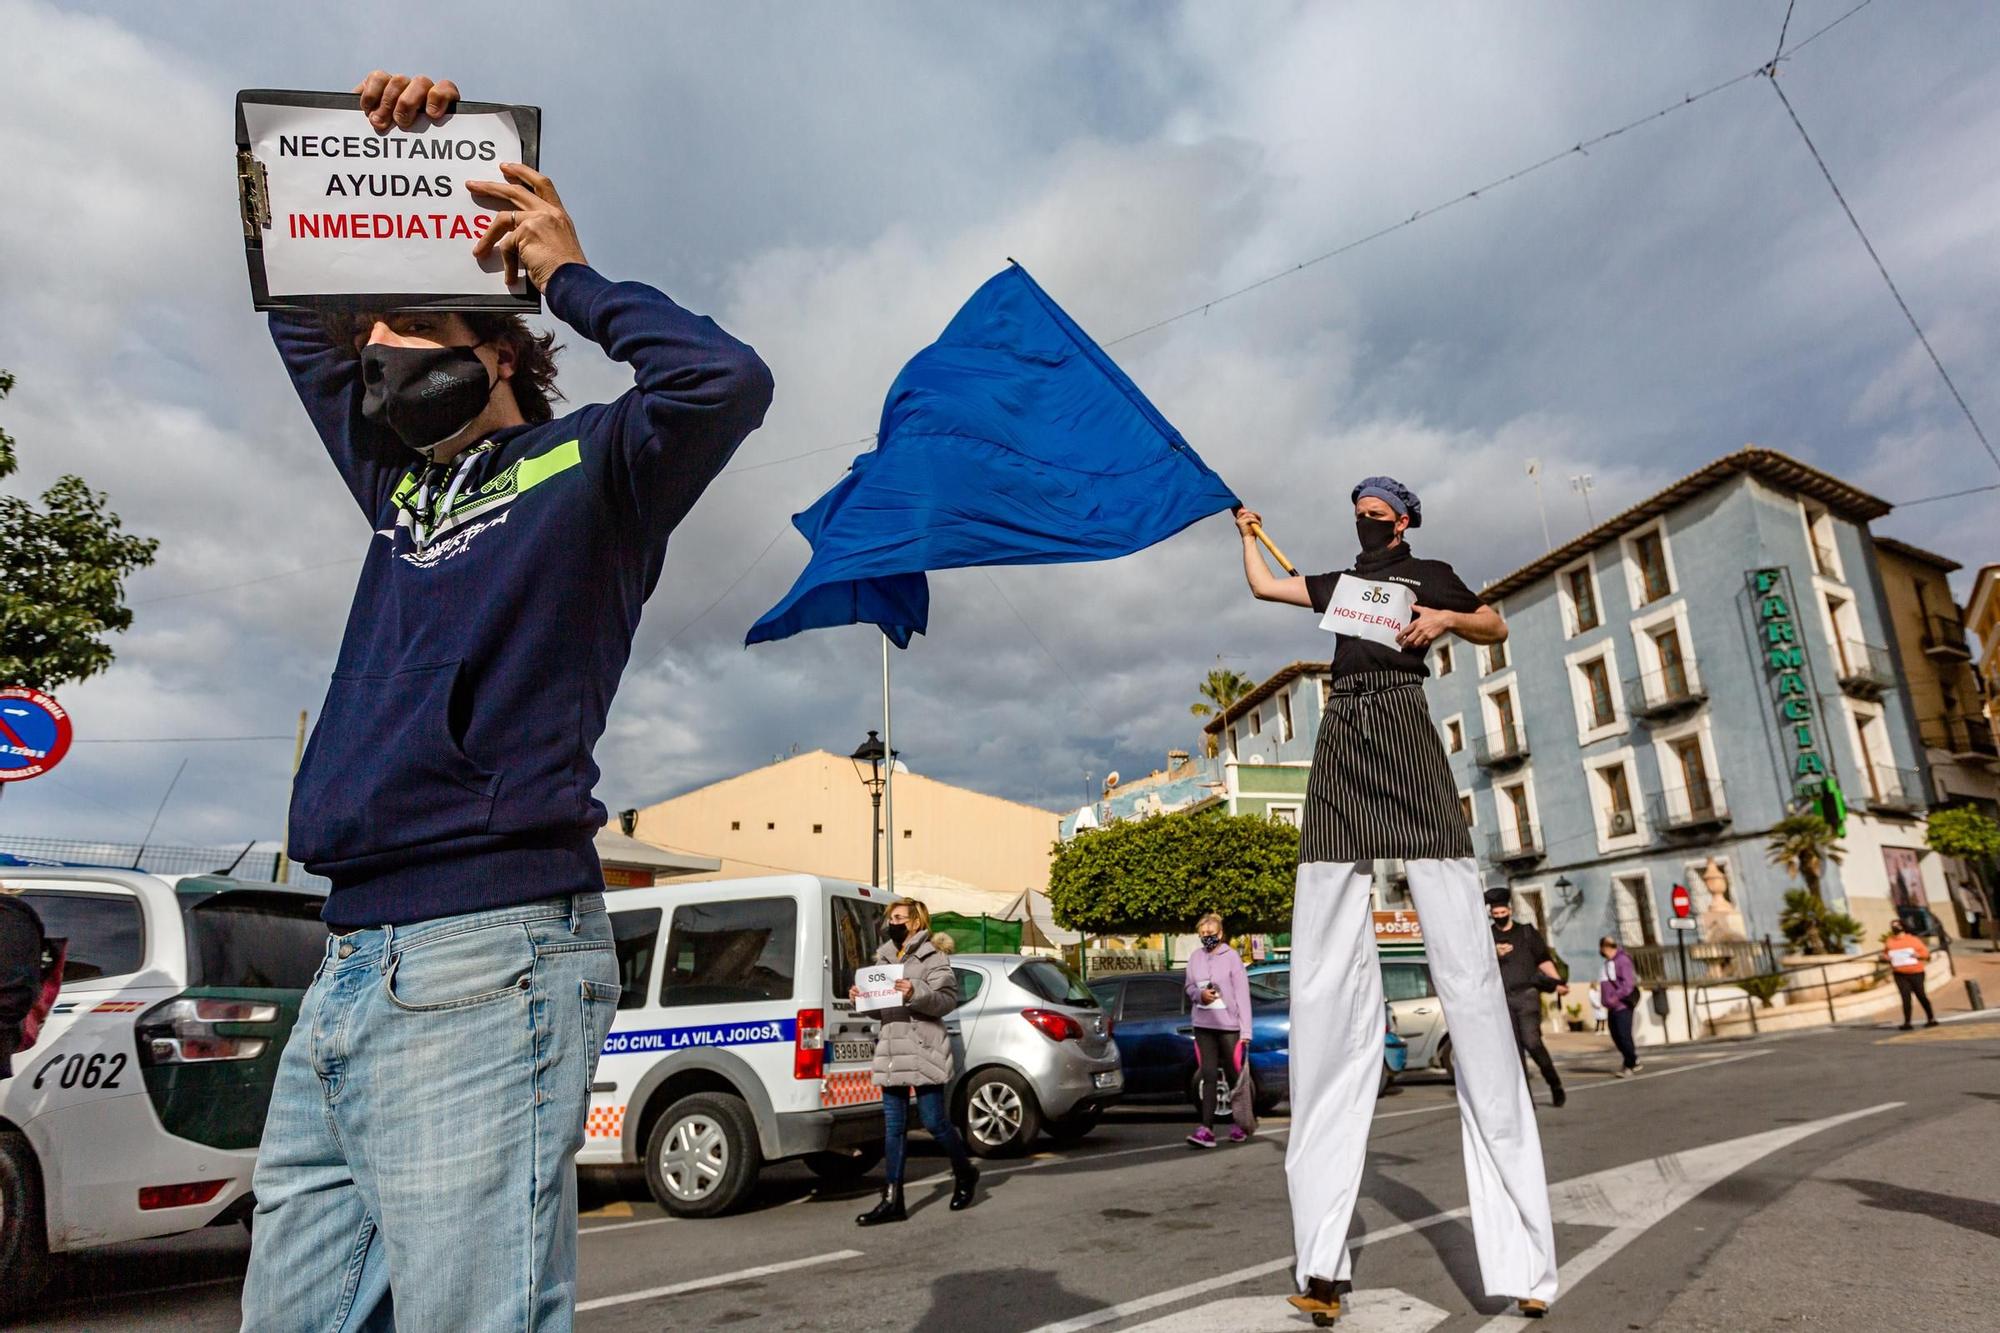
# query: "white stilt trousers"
1336,1054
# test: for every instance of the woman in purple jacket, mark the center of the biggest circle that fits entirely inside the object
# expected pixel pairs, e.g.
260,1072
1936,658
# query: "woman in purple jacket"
1220,990
1619,992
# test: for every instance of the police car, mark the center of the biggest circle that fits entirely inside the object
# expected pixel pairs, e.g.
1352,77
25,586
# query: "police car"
735,1043
138,1111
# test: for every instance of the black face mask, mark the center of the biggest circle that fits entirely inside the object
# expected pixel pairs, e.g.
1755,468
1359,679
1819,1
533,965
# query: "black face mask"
425,394
1376,533
896,932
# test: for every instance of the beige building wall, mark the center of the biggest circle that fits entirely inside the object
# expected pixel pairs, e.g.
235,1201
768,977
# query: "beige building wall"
812,813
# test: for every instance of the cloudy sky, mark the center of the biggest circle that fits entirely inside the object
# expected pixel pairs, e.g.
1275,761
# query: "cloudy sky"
831,182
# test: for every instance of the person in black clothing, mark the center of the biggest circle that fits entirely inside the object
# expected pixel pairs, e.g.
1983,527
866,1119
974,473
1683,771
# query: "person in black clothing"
20,972
1527,971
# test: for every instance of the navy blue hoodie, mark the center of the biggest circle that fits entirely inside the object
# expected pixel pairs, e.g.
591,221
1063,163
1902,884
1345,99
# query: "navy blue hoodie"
451,767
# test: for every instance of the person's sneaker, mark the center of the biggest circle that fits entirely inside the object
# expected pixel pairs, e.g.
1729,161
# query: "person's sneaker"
1637,1067
1931,1023
1236,1134
1557,1096
1904,1028
1201,1138
1624,1073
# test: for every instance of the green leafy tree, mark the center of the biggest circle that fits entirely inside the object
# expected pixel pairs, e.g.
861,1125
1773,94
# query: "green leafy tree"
64,587
1221,691
1803,843
1972,836
1811,926
1163,873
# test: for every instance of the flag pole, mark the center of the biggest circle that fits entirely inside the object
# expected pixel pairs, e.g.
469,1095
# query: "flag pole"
889,778
1257,531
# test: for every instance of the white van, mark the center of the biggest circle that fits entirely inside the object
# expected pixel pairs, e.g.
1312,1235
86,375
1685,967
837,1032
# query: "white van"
735,1043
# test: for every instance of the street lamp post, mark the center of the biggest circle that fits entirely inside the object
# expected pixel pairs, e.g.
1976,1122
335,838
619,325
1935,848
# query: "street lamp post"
868,758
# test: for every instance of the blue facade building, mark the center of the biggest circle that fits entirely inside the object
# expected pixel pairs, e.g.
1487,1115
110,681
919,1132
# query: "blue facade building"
1676,681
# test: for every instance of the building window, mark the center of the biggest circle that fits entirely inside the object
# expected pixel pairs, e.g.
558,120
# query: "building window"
1819,535
1285,814
1582,599
1454,732
1522,834
1650,555
1597,680
1673,665
1284,717
735,826
768,828
1496,656
818,828
1638,925
1465,808
906,834
1256,722
1619,819
1444,659
1232,742
1701,794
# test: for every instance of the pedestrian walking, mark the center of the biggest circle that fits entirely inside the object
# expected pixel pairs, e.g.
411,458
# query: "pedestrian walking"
1220,991
20,973
1908,957
1381,786
1528,972
913,1059
418,1158
1619,993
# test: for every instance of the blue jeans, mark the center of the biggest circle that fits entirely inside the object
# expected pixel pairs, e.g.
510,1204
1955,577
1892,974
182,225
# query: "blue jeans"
896,1128
418,1168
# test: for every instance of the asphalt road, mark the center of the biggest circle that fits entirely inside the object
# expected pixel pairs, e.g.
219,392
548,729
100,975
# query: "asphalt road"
1833,1180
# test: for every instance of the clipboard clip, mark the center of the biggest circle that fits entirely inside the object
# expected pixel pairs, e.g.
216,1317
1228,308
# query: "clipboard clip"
253,194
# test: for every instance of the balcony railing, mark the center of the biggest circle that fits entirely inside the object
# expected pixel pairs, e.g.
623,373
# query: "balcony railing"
1897,790
1866,668
1965,737
1944,639
1665,692
1501,748
1516,846
1698,808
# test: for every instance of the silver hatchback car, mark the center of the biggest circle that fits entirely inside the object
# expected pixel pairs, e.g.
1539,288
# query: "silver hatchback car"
1034,1052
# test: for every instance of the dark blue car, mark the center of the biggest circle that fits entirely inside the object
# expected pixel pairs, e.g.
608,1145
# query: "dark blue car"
1154,1030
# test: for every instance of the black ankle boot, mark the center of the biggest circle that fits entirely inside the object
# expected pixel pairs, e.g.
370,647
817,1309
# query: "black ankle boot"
890,1209
962,1185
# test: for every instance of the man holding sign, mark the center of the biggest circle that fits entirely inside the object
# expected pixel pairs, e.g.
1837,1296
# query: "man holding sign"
1381,787
418,1157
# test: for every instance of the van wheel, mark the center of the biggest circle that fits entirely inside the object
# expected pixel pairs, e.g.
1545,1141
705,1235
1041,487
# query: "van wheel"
702,1156
999,1113
1444,1059
24,1244
843,1168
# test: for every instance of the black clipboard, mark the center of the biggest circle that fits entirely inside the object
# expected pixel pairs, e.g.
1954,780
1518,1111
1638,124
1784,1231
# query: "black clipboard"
254,207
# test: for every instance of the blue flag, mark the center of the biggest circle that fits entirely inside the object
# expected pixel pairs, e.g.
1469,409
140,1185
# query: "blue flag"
1011,440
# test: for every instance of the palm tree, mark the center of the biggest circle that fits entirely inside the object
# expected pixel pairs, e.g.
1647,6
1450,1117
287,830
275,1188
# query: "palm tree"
1803,843
1222,689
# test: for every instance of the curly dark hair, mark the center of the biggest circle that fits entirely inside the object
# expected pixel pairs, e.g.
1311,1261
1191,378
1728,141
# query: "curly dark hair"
534,378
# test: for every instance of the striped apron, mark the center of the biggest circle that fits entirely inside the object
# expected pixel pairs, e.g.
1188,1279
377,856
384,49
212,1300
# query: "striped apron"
1380,787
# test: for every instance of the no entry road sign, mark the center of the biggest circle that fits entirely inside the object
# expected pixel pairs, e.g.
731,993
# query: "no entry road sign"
34,733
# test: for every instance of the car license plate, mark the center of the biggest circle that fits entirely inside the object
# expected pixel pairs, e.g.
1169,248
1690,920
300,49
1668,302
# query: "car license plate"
1104,1080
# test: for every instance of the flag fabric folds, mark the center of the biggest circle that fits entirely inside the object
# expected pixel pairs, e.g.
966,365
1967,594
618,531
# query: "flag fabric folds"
1011,440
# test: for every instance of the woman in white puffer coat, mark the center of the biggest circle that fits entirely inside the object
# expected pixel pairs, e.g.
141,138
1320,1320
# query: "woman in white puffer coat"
913,1056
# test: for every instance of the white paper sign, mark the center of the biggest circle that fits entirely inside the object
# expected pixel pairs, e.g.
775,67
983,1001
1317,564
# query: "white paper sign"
349,211
1902,958
1369,610
878,987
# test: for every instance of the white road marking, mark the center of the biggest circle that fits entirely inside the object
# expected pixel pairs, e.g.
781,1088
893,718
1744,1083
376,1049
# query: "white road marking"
720,1280
627,1226
1388,1311
1630,1198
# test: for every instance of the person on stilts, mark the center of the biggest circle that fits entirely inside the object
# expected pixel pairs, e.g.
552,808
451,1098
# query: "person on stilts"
1381,787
